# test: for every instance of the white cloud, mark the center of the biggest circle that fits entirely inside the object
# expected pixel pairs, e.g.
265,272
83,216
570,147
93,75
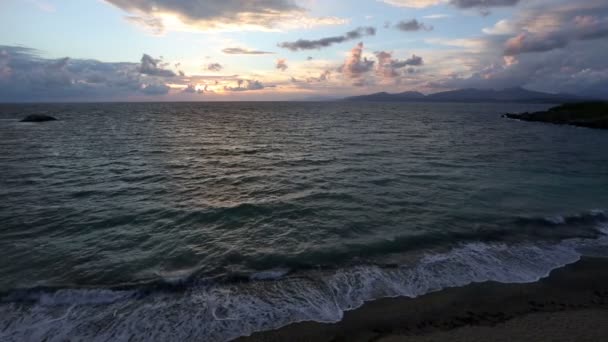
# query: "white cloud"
501,27
413,3
436,16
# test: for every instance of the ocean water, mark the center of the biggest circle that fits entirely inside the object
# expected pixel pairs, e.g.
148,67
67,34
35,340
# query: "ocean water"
209,221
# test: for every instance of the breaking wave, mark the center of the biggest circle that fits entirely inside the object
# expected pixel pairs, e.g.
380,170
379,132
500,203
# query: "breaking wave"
270,299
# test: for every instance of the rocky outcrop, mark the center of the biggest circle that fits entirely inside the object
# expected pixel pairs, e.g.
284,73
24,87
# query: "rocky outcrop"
584,114
38,118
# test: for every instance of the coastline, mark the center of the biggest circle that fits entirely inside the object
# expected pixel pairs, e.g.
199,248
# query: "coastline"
583,114
571,303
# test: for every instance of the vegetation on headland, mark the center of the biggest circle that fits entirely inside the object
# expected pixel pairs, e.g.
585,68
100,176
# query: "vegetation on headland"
584,114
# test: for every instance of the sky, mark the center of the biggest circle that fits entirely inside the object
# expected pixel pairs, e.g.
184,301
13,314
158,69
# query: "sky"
225,50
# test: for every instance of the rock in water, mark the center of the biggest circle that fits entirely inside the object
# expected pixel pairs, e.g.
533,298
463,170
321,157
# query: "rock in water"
38,118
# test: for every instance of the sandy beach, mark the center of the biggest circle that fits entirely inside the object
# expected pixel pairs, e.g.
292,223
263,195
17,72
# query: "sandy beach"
571,304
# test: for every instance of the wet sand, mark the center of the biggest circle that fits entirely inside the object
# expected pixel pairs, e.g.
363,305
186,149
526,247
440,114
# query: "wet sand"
569,305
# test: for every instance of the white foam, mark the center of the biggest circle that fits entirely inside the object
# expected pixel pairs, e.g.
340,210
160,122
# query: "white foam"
224,312
597,212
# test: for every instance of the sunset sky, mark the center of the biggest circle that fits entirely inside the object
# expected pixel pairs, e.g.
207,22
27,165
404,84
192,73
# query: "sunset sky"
181,50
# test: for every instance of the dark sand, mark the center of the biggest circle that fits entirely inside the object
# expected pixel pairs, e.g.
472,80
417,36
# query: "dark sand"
569,305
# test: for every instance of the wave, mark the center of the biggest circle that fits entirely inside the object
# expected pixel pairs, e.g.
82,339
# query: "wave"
277,297
50,297
590,217
270,274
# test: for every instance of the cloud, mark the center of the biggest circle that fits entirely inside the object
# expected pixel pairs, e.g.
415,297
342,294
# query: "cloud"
580,27
214,67
546,45
304,44
43,5
413,25
324,76
482,5
356,65
152,67
582,70
154,25
192,89
436,16
281,64
501,27
413,3
246,85
413,61
221,14
243,51
389,67
557,47
26,76
155,89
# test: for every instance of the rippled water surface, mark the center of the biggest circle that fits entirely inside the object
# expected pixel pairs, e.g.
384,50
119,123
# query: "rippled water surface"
269,213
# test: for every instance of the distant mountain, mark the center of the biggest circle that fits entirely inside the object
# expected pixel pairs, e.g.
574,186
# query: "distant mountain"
317,98
471,95
384,96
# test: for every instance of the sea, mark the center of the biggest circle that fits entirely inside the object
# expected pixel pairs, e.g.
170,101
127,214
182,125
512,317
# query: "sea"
211,221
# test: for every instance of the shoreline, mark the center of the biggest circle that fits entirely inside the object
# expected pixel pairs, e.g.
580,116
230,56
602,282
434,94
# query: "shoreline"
571,303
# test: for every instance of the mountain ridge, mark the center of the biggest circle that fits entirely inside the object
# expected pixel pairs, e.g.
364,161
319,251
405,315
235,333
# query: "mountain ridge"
517,94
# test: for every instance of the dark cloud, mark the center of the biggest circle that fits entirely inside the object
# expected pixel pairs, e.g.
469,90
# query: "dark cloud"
26,76
215,67
413,61
483,3
154,67
580,68
304,44
389,67
356,65
281,64
580,27
561,47
385,60
155,89
413,25
210,13
242,51
246,85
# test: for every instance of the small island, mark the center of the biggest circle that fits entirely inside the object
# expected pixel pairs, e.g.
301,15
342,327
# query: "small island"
38,118
583,114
